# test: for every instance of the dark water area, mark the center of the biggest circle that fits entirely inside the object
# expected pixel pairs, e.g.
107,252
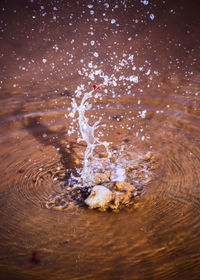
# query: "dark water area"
145,57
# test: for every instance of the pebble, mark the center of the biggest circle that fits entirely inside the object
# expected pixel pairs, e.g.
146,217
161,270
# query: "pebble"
101,178
100,197
119,186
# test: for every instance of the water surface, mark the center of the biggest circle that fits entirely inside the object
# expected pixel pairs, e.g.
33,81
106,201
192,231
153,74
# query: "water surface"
46,51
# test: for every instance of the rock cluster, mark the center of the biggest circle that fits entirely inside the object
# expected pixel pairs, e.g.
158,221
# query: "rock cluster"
114,196
111,189
108,196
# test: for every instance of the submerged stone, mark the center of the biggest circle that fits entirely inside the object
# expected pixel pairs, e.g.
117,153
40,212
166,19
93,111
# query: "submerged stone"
100,197
119,186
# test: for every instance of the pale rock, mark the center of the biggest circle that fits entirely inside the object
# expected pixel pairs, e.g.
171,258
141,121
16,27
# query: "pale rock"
100,197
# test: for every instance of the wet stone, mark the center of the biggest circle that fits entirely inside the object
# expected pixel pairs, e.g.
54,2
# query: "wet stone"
100,197
121,187
101,178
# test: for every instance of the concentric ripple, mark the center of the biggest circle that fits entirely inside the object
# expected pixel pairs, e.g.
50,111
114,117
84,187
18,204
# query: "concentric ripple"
37,162
140,60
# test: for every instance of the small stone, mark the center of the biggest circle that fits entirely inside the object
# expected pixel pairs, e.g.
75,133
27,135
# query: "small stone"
129,187
119,186
135,167
101,178
120,200
100,197
126,198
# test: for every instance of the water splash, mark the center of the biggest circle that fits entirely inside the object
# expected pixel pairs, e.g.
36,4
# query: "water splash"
88,135
119,173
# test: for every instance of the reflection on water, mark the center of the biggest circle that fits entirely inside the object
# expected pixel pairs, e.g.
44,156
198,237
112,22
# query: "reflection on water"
147,57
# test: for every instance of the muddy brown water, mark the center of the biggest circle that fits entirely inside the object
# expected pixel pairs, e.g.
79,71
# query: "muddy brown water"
160,237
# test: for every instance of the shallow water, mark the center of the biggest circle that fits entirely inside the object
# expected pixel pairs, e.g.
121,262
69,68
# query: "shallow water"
159,238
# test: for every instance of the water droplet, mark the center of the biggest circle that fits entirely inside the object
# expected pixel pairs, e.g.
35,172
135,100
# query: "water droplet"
152,16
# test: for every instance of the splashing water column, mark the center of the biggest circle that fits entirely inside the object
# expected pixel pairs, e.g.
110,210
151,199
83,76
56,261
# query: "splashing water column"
87,135
106,192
